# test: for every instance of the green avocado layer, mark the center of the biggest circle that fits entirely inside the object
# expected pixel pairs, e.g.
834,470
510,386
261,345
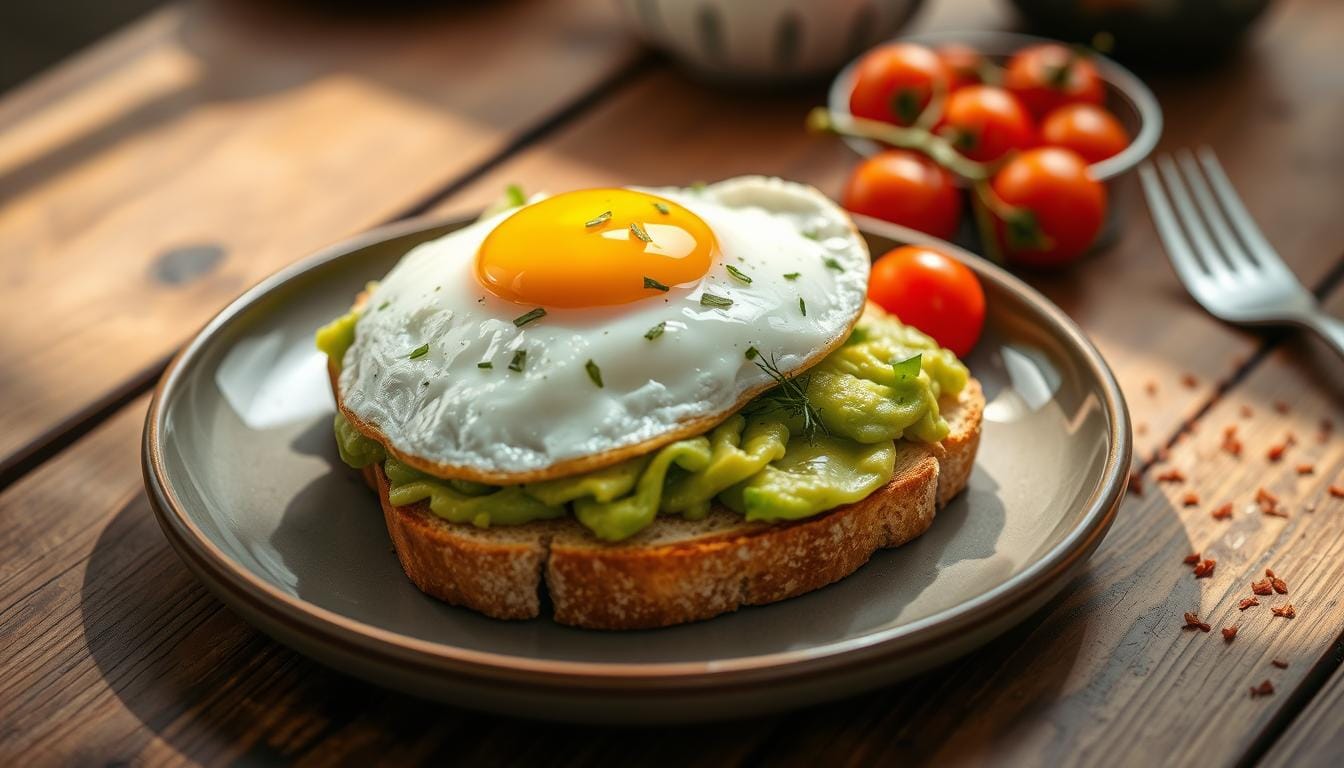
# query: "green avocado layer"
761,462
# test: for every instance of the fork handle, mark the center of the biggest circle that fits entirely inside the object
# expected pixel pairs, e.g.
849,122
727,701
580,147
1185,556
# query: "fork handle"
1328,328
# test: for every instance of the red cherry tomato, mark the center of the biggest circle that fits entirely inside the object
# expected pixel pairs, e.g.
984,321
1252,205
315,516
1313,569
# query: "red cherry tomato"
931,291
1087,129
964,65
894,83
1050,75
1066,206
985,123
905,188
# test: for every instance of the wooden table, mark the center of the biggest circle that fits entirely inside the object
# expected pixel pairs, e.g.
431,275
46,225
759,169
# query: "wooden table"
149,180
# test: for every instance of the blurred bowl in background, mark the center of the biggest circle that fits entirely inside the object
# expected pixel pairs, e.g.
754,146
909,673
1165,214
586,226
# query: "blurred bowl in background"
1127,97
1161,32
765,41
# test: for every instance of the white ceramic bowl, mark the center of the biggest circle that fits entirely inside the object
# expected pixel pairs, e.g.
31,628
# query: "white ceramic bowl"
765,40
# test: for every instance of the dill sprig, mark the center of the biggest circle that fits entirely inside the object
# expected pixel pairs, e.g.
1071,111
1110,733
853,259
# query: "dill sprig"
788,396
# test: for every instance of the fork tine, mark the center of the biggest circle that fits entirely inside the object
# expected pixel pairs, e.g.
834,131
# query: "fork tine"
1190,219
1230,248
1256,245
1182,258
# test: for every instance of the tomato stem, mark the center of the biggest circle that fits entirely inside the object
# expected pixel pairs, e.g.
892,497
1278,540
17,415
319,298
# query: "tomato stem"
822,120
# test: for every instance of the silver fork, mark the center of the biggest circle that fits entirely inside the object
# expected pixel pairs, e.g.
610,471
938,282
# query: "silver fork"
1219,252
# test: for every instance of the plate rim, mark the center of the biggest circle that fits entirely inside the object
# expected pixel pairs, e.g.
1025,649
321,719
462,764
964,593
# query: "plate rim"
327,626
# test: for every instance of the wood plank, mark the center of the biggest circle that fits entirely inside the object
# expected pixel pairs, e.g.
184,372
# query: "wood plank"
1315,737
1263,114
151,180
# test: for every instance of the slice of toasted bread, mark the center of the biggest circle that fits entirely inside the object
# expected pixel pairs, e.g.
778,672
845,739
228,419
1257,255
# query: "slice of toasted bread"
677,570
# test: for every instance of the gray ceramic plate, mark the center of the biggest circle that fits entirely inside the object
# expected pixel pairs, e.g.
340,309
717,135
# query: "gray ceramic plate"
243,474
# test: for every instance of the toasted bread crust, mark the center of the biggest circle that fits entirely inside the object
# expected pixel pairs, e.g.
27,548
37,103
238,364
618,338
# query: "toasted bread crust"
677,571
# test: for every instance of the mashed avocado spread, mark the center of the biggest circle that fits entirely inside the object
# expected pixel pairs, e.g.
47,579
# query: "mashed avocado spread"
765,462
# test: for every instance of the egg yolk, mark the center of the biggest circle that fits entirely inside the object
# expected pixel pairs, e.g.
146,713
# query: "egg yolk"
594,247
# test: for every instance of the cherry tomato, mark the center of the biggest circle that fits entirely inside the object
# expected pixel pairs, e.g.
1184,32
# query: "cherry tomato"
985,123
905,188
1063,205
894,83
964,65
1087,129
931,291
1050,75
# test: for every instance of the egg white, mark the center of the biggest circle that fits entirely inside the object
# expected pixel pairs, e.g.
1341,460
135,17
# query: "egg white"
444,413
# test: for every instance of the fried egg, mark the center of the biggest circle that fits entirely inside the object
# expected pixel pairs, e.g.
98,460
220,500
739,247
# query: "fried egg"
588,327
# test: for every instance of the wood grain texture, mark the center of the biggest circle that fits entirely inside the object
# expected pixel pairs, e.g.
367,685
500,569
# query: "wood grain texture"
1314,738
150,181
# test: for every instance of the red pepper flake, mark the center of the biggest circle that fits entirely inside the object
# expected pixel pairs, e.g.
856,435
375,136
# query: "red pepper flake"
1337,491
1280,406
1246,412
1205,569
1190,499
1269,572
1280,663
1223,512
1279,585
1264,689
1150,387
1189,380
1268,503
1229,633
1276,451
1192,621
1231,443
1136,483
1262,587
1306,469
1286,611
1247,602
1192,559
1172,475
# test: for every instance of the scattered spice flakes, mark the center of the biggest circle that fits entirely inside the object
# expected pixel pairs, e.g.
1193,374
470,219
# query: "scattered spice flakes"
1150,387
1262,587
1306,469
1190,499
1205,569
1263,689
1269,503
1223,513
1172,475
1192,621
1189,381
1229,633
1276,451
1136,483
1280,406
1279,585
1246,412
1231,443
1336,490
1247,602
1280,663
1286,611
1192,558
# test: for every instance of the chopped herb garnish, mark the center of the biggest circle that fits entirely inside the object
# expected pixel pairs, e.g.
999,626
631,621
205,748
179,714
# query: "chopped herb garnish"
792,275
528,317
594,373
419,351
908,368
655,331
518,361
384,305
697,186
710,300
486,364
833,264
599,220
639,232
663,209
789,396
752,353
649,282
802,306
514,194
739,274
811,234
